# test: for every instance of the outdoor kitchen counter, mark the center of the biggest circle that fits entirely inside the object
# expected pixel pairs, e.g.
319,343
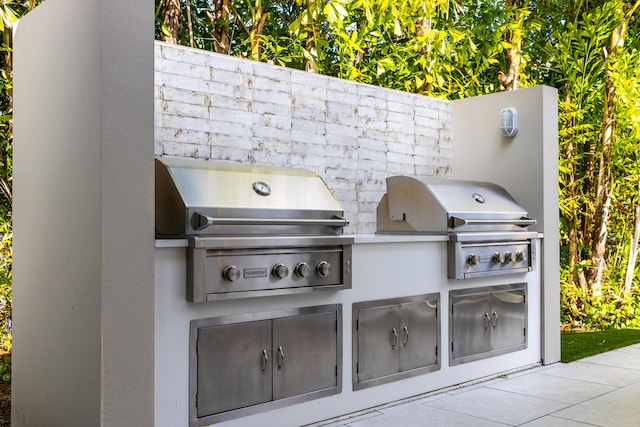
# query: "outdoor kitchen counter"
385,266
358,239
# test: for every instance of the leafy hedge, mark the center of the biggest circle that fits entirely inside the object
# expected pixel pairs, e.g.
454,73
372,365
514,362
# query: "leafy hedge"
580,311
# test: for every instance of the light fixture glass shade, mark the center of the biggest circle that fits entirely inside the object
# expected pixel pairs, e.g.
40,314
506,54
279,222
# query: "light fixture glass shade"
509,122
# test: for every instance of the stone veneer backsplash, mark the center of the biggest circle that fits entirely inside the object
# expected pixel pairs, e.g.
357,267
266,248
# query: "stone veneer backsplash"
353,135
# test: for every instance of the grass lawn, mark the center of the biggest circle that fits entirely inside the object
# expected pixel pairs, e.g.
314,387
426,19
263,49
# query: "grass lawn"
578,345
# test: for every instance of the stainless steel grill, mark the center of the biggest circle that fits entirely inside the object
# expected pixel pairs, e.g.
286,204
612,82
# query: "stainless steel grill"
486,227
252,230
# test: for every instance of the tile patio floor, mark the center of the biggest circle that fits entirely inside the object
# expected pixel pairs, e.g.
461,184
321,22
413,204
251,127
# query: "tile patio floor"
602,390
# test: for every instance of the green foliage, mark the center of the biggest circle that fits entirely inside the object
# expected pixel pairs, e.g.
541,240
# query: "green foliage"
444,48
575,53
6,145
441,48
5,367
580,311
5,285
579,73
7,15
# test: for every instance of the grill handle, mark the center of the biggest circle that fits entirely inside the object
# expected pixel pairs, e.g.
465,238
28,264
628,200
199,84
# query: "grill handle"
205,221
522,222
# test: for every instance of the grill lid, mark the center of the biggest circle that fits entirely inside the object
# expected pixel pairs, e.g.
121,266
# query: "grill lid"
437,206
197,197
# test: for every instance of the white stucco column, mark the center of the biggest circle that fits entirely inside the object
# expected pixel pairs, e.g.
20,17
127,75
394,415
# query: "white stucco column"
83,215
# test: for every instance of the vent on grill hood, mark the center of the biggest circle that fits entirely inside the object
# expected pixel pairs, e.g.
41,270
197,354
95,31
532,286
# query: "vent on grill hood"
195,197
441,206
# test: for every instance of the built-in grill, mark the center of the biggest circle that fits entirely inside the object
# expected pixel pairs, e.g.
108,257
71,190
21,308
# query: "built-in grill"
252,230
486,227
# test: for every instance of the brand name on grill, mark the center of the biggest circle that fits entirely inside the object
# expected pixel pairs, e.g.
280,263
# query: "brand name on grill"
255,272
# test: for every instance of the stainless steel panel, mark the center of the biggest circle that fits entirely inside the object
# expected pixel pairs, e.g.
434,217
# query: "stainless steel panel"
418,335
232,369
470,197
228,354
508,309
487,322
470,323
459,252
207,221
232,185
205,197
304,354
256,268
492,236
456,222
255,259
378,342
383,350
411,205
238,242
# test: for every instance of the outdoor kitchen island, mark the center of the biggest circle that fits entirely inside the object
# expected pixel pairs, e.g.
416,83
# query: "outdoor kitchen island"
107,299
385,267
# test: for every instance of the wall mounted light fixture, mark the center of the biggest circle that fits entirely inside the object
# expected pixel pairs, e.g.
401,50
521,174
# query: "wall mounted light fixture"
509,122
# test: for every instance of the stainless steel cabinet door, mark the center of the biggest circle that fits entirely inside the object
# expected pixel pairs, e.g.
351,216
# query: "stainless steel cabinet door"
470,323
418,334
378,342
508,318
234,366
304,354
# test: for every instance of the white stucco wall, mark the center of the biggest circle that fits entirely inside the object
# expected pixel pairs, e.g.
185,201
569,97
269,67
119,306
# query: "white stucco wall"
527,166
353,135
83,284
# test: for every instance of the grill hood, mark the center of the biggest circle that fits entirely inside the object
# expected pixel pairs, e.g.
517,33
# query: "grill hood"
197,197
440,206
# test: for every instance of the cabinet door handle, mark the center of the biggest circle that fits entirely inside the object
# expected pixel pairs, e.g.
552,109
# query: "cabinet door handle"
487,321
406,336
395,337
494,319
280,357
264,361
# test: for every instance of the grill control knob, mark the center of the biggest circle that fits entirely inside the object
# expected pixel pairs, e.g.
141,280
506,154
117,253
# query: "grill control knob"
302,269
498,258
508,257
280,271
519,256
473,259
231,273
323,269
